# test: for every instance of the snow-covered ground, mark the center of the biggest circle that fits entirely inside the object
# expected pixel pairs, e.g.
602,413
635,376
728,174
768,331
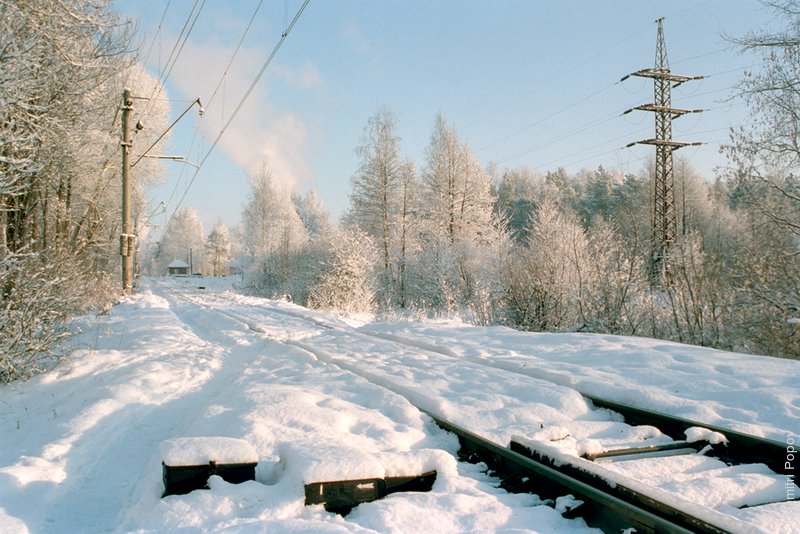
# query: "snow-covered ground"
321,398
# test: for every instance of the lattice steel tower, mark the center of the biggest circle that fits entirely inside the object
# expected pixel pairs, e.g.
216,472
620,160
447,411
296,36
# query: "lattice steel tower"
664,218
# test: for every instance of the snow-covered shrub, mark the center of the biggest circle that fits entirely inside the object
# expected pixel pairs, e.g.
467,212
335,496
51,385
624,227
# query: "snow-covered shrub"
307,268
346,280
542,280
38,292
482,291
433,275
609,283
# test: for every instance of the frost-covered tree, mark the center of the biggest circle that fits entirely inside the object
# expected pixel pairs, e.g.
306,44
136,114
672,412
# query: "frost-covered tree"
697,297
598,199
218,250
406,230
274,234
610,282
312,213
759,262
765,152
566,190
765,156
383,204
458,191
63,66
458,222
270,219
183,239
374,200
543,279
517,194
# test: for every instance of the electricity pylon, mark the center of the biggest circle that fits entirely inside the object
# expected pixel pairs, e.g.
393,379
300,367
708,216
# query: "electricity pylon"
664,218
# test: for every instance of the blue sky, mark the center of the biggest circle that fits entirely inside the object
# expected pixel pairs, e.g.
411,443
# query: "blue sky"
525,83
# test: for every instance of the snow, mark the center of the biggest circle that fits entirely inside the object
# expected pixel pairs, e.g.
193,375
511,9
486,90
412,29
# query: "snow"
566,503
697,433
178,264
750,394
200,450
316,397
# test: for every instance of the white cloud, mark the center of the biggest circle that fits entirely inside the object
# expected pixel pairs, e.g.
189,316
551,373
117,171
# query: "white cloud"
305,77
262,133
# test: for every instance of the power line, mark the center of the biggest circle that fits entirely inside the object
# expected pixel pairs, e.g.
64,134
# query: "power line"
155,35
235,53
600,121
174,55
550,116
594,124
604,143
238,108
561,137
562,75
592,58
698,56
214,94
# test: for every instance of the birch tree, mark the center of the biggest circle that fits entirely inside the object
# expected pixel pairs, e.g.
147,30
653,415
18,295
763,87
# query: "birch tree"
274,234
766,152
406,231
458,220
766,162
218,250
183,239
376,200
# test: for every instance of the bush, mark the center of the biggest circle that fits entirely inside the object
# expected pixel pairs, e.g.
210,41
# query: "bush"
347,279
38,292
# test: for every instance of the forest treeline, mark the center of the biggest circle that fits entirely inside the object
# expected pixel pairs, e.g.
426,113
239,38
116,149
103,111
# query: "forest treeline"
548,252
63,65
540,251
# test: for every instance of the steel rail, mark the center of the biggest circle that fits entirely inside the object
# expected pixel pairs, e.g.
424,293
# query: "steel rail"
602,507
740,448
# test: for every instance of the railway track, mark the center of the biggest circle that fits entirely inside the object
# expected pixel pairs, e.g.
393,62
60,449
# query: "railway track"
608,498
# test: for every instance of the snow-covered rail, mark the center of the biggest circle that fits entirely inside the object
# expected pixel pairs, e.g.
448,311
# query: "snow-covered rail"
738,448
613,496
602,504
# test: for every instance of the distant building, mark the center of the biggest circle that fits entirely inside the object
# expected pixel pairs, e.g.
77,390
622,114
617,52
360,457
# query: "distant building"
178,267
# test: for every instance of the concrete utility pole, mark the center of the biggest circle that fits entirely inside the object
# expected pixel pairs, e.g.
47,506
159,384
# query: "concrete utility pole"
127,241
664,218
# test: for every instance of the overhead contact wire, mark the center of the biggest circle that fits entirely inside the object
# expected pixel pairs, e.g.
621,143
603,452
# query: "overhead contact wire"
238,108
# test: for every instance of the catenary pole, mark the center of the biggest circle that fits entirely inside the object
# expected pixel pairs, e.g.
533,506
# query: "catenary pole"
127,241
